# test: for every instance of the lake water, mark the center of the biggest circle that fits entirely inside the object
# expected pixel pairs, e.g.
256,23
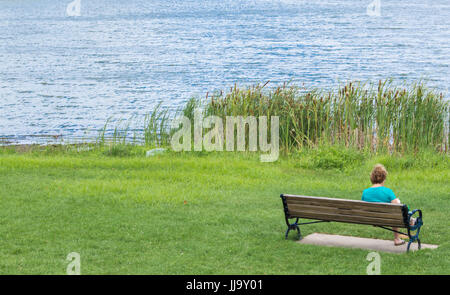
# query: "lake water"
67,75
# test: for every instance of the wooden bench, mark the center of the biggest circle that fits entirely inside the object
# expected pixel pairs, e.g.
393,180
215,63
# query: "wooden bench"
384,215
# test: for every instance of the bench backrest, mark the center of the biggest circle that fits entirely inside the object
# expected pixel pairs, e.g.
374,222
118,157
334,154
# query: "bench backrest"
349,211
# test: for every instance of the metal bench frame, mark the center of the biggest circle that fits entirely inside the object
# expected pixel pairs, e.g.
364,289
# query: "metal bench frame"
413,237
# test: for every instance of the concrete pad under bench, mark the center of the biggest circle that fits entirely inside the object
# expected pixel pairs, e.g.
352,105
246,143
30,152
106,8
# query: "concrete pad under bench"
361,243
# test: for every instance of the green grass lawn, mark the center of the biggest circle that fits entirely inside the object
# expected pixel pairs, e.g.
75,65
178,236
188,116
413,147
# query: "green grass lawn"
196,213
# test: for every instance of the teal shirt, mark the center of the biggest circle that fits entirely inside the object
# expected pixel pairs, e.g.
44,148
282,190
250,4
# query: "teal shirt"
379,194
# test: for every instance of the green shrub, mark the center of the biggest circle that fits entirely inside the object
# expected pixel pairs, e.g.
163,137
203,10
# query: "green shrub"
425,159
335,157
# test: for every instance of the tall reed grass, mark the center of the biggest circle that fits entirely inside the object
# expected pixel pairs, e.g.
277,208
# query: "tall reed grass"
154,133
378,117
374,117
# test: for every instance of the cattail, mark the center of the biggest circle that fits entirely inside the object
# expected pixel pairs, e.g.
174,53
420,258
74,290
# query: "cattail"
354,115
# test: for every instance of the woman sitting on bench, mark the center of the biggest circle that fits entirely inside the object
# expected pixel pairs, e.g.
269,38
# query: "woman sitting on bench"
379,193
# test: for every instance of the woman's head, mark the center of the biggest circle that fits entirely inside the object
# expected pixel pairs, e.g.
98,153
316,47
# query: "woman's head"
378,175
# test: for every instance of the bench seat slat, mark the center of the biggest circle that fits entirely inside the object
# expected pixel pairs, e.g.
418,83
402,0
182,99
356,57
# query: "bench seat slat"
346,204
356,212
346,218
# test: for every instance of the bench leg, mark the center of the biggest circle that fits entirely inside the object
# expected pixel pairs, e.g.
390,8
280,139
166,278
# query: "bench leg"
287,233
416,227
409,245
299,234
293,226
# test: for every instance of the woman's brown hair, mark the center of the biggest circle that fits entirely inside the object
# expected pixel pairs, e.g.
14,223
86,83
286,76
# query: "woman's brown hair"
379,174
